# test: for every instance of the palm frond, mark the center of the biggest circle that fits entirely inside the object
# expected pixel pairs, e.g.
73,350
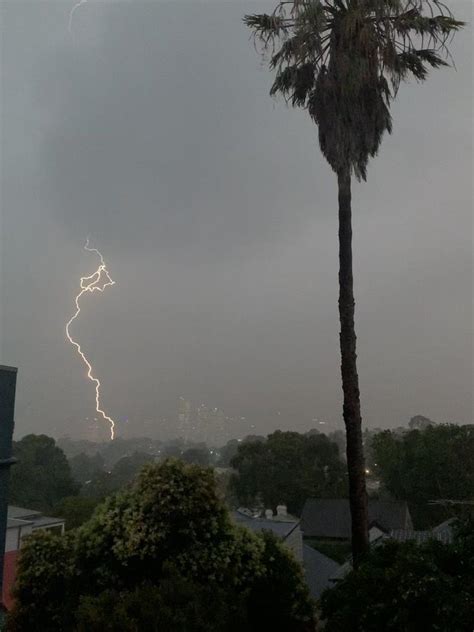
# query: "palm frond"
344,60
266,28
416,62
295,83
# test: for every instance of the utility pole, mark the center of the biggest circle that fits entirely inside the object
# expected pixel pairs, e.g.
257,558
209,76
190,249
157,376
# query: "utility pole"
7,408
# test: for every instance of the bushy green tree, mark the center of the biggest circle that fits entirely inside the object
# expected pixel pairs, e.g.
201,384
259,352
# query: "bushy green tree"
75,510
45,574
127,467
227,453
176,603
287,468
42,476
278,584
84,467
406,588
199,456
103,483
420,422
171,517
425,465
182,604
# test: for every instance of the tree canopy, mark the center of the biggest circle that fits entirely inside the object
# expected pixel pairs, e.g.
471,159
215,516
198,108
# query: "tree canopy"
287,468
199,456
407,588
166,535
103,483
419,466
75,510
84,466
175,603
42,476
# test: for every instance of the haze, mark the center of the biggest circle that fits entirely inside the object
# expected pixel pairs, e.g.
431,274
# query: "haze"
150,128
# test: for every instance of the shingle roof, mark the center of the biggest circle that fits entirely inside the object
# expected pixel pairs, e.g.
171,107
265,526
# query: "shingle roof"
21,513
319,570
410,535
331,518
45,521
14,523
279,528
445,528
442,533
18,516
341,572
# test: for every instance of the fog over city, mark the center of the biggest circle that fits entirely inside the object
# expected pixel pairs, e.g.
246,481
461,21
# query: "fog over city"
149,128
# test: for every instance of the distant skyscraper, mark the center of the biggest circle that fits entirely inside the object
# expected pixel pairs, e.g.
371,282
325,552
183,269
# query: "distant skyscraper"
184,418
201,424
220,431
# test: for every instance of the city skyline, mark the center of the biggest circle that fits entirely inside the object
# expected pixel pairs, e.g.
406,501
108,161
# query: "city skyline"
218,217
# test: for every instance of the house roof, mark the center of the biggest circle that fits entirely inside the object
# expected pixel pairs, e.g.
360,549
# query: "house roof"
281,529
20,513
442,533
445,528
319,569
331,518
47,521
18,516
14,523
410,535
341,572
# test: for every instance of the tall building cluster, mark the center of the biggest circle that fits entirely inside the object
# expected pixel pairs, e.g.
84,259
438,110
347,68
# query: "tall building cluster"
208,424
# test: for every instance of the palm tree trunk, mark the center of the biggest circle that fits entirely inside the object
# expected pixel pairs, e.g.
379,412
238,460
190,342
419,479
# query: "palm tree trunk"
350,379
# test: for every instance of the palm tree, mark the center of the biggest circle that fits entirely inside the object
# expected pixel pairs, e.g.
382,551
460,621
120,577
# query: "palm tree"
343,61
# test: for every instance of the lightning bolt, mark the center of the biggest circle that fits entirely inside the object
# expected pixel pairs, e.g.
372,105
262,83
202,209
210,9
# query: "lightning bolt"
96,282
73,11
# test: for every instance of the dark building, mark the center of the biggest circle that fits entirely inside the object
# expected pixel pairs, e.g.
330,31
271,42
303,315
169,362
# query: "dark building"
330,518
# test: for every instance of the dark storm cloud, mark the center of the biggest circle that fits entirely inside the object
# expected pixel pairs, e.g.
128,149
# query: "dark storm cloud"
165,137
151,129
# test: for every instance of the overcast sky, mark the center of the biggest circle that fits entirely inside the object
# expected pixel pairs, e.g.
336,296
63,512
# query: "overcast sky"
151,129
